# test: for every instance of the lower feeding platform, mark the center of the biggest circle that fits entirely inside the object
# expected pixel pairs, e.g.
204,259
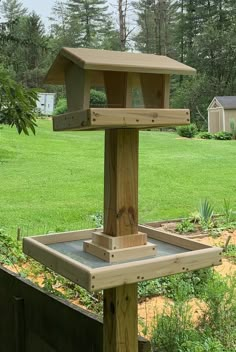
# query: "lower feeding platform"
63,252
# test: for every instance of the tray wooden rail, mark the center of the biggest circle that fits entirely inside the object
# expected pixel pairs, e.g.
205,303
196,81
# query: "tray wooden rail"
104,118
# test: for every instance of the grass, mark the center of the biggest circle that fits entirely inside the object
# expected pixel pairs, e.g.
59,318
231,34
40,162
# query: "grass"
54,181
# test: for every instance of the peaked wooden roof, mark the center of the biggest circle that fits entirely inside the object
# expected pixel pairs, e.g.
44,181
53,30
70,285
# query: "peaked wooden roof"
228,102
105,60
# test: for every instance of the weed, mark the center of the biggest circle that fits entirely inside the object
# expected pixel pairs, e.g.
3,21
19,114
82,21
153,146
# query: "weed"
10,250
230,253
185,226
97,219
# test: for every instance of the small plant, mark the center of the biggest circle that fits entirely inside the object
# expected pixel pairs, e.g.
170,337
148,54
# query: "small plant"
227,211
10,250
205,214
223,136
205,135
232,124
188,131
97,219
185,226
230,253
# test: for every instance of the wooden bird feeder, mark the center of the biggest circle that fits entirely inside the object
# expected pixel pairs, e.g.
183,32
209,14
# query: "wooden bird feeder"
123,253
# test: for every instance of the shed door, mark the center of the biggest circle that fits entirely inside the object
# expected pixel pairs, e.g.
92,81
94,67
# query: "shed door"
216,121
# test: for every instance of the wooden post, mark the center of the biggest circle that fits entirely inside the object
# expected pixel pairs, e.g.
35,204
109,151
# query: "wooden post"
120,219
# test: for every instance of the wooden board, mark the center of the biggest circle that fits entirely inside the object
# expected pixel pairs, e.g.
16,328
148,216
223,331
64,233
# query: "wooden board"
105,60
120,255
121,182
110,242
104,118
95,275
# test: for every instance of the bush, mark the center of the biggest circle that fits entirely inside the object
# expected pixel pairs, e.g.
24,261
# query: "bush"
17,104
61,107
97,99
223,136
205,135
188,131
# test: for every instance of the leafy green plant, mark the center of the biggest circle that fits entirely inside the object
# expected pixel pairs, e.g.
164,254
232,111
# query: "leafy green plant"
232,124
230,253
61,107
227,211
205,213
10,250
219,317
97,99
205,135
17,104
188,131
185,226
223,136
172,328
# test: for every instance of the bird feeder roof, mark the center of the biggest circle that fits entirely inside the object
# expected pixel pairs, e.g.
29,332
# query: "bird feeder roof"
105,60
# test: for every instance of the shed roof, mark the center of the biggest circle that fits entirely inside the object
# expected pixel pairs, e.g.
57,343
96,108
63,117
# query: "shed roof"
105,60
228,102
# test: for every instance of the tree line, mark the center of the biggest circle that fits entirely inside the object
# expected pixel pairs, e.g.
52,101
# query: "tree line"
199,33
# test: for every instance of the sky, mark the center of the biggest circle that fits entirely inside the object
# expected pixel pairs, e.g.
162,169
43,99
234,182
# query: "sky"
41,7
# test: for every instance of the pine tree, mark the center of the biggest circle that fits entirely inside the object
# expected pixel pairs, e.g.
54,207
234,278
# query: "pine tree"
91,17
12,10
154,19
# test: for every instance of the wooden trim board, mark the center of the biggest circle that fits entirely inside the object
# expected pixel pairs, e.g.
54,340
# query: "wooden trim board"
110,242
112,275
103,118
120,255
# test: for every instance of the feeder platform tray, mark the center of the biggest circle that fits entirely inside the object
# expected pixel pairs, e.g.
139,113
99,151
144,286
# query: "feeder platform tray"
63,252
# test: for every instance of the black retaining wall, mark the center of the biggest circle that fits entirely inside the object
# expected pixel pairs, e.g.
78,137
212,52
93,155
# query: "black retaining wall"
34,321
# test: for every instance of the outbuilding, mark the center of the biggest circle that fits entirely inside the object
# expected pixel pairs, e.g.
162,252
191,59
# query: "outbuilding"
45,103
220,112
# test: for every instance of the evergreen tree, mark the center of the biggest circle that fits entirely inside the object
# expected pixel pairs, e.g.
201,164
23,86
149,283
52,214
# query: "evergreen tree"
154,19
91,17
12,10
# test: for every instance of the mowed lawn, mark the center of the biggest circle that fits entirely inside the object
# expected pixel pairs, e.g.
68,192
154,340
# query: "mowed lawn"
54,181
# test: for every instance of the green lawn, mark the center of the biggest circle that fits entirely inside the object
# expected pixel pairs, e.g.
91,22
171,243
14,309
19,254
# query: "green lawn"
54,181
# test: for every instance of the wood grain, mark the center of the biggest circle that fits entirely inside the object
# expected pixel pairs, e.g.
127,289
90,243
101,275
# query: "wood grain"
106,118
120,319
121,182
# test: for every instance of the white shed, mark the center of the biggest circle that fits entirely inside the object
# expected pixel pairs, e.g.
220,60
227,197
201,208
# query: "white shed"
220,112
45,103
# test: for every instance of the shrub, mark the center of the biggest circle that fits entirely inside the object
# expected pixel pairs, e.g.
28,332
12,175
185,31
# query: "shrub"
97,99
223,136
233,128
17,104
61,107
205,135
188,131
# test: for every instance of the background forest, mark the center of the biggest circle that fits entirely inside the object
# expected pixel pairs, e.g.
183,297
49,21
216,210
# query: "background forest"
200,33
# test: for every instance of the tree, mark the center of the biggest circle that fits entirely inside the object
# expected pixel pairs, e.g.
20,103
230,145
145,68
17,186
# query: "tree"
154,19
91,18
12,10
17,104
